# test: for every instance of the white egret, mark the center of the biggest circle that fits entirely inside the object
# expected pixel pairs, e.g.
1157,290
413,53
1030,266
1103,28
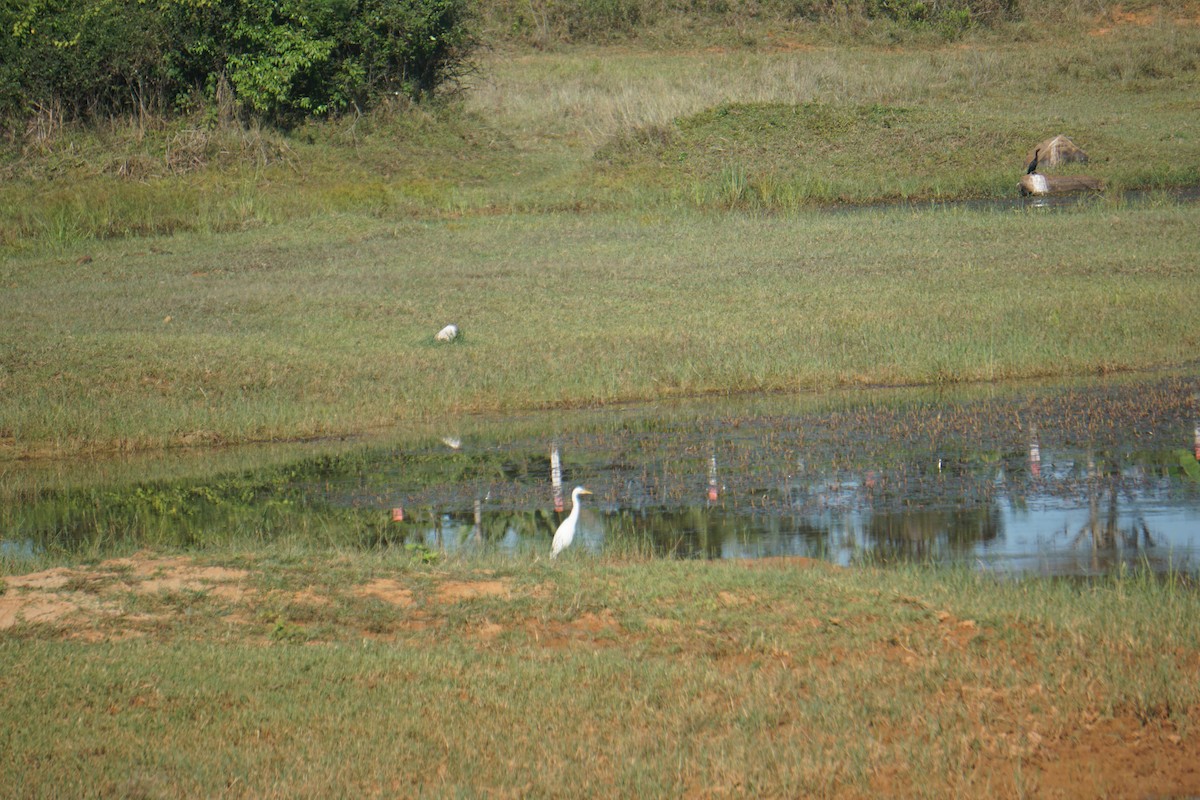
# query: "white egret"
566,531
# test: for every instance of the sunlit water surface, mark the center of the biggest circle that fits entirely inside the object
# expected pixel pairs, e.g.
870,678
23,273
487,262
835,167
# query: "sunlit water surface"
1068,479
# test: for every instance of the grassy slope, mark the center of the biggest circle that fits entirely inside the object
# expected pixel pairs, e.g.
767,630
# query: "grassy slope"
826,125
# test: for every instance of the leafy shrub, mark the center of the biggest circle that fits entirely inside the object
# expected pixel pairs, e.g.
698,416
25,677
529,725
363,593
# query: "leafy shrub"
281,61
80,57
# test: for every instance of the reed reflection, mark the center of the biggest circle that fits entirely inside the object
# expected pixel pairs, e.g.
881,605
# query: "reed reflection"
946,503
713,492
1108,536
933,535
1035,452
556,477
844,486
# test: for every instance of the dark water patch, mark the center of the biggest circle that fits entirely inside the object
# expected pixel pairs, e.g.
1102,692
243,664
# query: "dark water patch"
1136,198
1071,479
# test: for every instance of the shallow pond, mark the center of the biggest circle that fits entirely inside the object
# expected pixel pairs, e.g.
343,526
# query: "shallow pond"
1132,197
1080,478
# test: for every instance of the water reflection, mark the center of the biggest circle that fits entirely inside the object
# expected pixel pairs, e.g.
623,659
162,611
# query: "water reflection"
1129,197
789,492
1035,452
1072,480
556,477
713,492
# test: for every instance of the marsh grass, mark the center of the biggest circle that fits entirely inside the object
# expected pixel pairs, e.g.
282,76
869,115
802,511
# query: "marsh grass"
594,676
328,329
120,179
179,284
960,117
619,128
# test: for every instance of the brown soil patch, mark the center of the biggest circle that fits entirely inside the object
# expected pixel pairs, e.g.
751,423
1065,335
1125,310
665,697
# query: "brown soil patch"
34,608
171,575
1120,757
455,591
735,599
957,632
387,590
310,597
594,623
588,629
50,579
786,562
489,630
55,596
182,584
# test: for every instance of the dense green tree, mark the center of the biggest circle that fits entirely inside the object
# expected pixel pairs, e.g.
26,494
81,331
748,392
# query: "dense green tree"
278,60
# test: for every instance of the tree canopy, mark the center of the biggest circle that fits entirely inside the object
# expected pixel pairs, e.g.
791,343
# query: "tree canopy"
281,61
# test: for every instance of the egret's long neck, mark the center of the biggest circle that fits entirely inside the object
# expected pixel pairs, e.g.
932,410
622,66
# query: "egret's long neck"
574,508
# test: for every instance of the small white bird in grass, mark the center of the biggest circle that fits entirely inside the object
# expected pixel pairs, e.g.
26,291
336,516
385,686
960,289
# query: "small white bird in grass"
566,531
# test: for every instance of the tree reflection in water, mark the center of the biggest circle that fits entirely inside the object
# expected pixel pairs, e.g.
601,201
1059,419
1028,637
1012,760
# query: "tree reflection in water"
749,487
1078,479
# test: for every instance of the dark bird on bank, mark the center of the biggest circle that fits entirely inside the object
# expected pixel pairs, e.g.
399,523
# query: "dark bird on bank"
1033,164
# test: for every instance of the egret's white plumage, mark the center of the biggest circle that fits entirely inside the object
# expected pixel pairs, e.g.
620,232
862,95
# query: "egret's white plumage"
566,531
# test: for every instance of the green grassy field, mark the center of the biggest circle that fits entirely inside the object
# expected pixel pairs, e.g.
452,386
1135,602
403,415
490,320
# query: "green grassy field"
275,673
327,328
606,224
644,220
